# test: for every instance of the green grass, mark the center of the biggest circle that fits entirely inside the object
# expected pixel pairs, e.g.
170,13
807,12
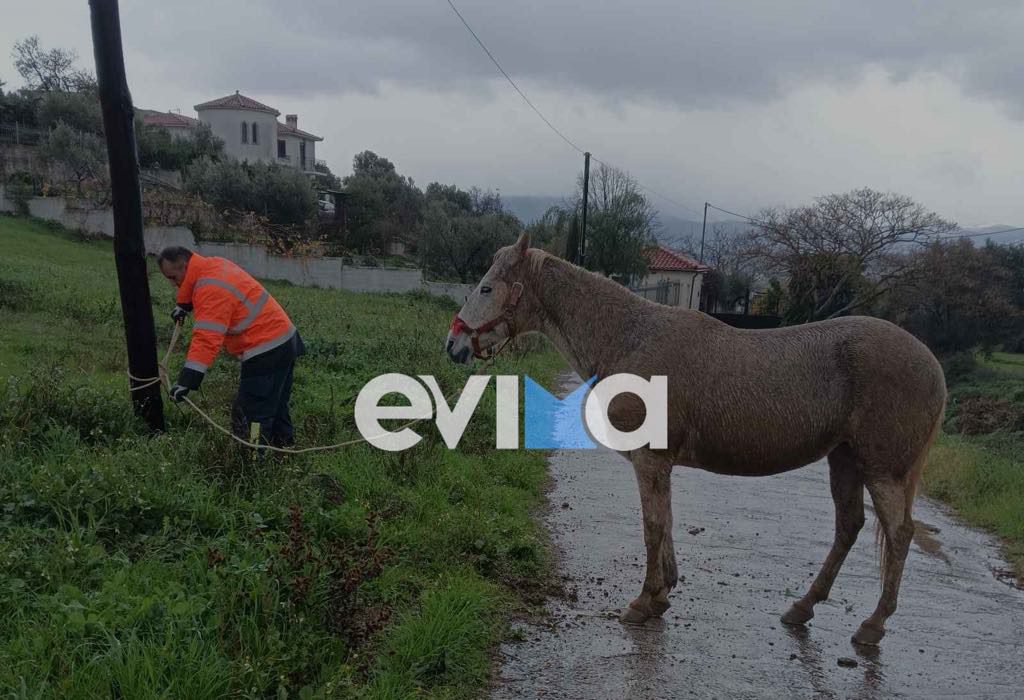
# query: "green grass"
1006,364
178,566
982,476
983,479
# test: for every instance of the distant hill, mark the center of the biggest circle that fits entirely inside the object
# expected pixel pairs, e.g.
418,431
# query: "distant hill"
676,232
529,208
1010,236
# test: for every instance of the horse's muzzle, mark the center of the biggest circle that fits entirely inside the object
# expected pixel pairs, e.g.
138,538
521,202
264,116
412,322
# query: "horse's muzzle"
458,348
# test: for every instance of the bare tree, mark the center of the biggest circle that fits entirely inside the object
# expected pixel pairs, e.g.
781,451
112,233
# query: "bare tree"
49,71
843,252
620,223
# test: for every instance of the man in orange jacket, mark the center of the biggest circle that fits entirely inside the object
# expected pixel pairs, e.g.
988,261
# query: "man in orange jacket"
234,311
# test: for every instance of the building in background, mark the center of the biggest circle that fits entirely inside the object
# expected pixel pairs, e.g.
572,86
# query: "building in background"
672,278
250,131
177,125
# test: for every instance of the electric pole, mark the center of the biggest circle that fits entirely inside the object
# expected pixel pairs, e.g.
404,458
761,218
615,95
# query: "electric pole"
129,247
586,202
703,228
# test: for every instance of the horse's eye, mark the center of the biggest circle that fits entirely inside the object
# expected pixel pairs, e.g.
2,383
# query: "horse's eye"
485,290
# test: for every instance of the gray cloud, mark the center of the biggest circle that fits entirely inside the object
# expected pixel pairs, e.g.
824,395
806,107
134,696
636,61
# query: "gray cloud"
689,54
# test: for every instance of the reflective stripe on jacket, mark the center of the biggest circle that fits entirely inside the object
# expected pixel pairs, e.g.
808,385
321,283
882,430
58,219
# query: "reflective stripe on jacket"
232,310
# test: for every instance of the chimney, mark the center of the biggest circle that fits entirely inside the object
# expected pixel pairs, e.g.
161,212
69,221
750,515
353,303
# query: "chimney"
292,120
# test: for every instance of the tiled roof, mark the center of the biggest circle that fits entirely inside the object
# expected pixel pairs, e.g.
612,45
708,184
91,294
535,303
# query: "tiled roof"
662,258
285,130
167,119
237,101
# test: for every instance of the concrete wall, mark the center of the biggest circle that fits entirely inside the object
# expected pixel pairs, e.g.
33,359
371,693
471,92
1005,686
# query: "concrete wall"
453,290
328,273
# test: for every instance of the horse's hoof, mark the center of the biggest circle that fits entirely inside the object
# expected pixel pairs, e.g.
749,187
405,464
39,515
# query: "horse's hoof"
868,635
633,616
797,615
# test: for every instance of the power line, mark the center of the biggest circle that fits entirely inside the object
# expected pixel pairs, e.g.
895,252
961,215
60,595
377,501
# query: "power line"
509,79
656,193
540,114
652,191
972,234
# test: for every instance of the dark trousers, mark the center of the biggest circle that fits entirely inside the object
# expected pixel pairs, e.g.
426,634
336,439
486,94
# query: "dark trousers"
260,411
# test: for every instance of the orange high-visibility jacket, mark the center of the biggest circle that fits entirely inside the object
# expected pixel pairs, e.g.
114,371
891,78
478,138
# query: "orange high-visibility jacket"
232,310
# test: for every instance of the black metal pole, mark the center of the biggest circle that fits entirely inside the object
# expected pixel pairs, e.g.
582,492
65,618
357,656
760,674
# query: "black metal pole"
126,194
586,202
703,228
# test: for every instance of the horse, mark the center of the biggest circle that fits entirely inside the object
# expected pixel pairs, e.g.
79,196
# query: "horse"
860,391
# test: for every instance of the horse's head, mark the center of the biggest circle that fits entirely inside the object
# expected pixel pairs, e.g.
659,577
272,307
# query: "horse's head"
490,312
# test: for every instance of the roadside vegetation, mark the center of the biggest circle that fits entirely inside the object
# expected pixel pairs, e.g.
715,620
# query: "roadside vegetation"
977,466
179,566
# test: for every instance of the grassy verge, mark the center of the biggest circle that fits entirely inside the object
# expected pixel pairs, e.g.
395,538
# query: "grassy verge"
977,466
180,567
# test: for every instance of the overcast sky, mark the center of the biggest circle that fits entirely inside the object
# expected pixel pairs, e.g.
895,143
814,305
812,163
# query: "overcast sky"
742,104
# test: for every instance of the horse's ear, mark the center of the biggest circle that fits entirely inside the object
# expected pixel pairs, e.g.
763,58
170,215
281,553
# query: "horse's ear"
523,243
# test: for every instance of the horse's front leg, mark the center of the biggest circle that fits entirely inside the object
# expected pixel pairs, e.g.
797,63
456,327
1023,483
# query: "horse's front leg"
653,476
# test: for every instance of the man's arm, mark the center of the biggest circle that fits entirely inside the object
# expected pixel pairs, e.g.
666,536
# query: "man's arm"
213,310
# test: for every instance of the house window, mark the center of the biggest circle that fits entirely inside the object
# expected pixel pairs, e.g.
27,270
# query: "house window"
245,132
255,132
302,155
281,150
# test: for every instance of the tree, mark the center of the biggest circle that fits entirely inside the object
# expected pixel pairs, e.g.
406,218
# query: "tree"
959,296
49,71
382,204
455,243
282,194
620,224
841,253
80,154
158,149
325,177
79,110
733,270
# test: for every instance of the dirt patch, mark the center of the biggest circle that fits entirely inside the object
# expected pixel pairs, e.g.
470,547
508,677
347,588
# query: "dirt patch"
980,415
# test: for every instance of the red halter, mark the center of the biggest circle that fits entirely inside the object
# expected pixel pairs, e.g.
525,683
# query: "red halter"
460,326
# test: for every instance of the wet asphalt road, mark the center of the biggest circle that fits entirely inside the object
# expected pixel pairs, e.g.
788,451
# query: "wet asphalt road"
746,547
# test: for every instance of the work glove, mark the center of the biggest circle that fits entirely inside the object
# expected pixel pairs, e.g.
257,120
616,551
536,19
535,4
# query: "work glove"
180,312
188,379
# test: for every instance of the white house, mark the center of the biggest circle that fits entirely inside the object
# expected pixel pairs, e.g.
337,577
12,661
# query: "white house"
672,278
249,129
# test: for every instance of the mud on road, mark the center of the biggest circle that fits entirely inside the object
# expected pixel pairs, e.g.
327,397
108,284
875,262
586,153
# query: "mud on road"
747,548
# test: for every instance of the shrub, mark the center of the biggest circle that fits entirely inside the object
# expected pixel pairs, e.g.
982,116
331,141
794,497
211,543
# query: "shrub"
283,195
959,366
19,188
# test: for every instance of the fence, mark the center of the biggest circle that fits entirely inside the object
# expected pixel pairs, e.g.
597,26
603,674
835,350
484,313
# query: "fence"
664,292
18,135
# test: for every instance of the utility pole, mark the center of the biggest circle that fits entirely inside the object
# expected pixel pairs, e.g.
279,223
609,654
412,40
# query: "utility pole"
703,228
586,202
129,247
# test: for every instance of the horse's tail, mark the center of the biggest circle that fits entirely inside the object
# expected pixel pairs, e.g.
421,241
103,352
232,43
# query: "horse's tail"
910,482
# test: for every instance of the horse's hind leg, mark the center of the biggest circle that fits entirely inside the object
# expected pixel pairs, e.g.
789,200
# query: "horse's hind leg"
848,495
653,476
893,499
